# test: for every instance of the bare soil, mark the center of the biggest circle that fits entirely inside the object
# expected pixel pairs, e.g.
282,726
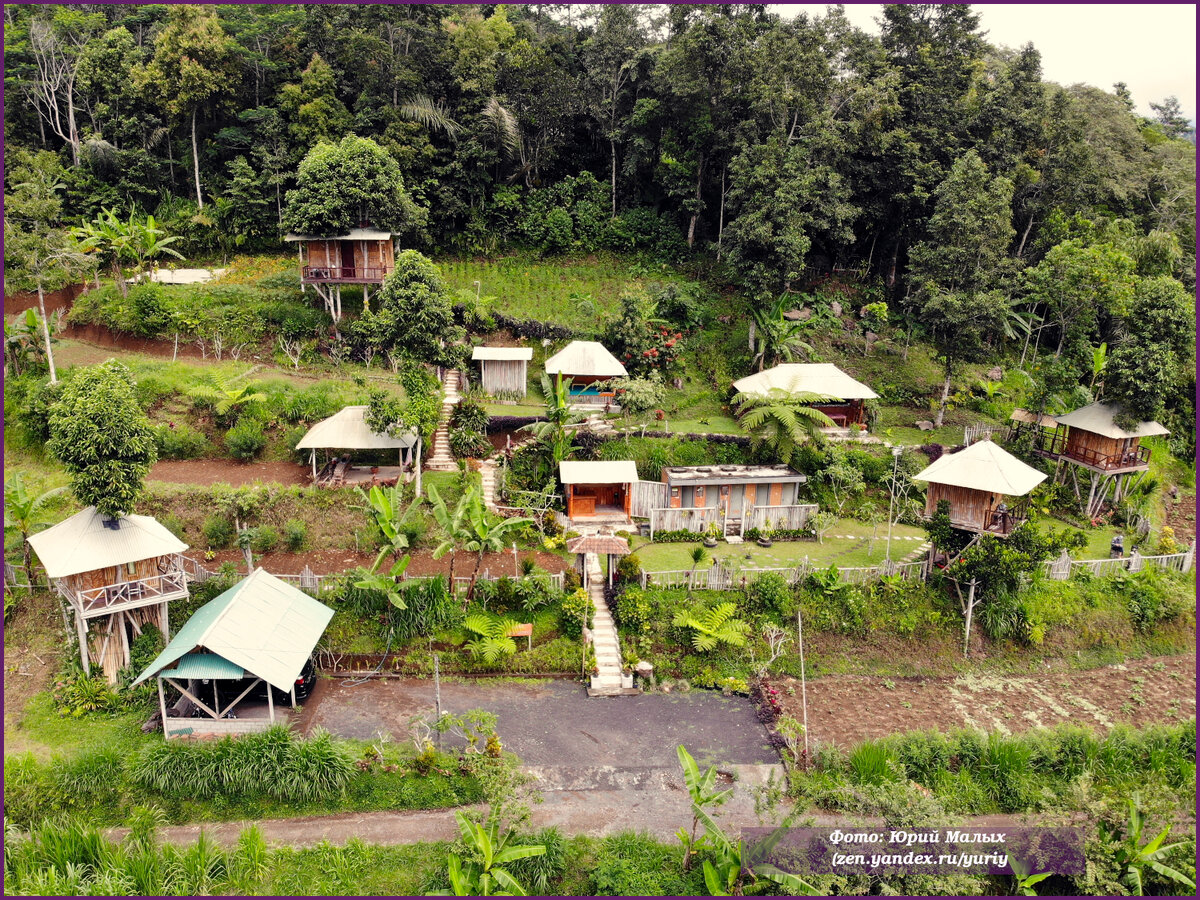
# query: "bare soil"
211,471
847,709
329,562
1181,516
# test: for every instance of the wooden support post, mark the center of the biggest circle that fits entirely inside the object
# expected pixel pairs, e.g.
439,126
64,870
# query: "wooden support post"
162,705
119,624
164,620
313,458
81,631
271,701
293,693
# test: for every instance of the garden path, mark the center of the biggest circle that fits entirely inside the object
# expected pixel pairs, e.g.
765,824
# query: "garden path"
603,632
440,458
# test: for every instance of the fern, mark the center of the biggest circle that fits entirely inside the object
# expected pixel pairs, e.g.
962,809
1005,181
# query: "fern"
713,626
494,641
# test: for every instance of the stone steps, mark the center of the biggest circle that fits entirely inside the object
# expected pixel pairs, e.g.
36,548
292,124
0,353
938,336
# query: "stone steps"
603,634
440,458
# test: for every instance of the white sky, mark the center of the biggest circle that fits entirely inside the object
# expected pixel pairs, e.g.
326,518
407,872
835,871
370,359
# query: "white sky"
1152,48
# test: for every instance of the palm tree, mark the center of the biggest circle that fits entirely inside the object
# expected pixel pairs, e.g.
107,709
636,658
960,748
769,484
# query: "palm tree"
699,555
783,420
553,432
472,528
22,515
778,339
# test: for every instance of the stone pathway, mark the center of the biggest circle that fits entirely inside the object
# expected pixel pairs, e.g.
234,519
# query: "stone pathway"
487,481
603,632
440,458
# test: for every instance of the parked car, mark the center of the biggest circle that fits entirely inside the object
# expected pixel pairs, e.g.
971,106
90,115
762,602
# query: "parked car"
228,690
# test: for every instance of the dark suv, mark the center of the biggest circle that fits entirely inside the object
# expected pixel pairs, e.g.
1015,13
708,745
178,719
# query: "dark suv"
229,690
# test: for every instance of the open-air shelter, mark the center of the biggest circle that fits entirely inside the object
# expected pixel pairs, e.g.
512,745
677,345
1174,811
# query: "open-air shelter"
348,431
262,629
586,368
845,394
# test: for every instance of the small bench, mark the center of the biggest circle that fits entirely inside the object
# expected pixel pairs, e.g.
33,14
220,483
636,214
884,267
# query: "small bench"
525,631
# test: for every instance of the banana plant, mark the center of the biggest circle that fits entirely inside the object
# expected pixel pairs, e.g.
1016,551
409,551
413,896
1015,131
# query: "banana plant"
1023,881
1099,361
386,583
1134,857
23,515
485,875
384,506
703,792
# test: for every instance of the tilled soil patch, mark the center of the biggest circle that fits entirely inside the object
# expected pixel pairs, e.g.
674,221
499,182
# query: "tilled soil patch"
212,471
847,709
331,562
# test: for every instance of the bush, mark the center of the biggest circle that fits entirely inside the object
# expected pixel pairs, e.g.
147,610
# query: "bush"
769,593
637,395
466,444
570,618
295,535
636,865
629,569
218,532
180,441
246,440
264,539
634,611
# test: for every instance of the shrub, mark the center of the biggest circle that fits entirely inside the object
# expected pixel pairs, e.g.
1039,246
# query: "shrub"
218,532
78,694
245,441
173,524
466,444
295,535
637,395
634,610
629,569
636,865
264,539
574,606
769,592
180,441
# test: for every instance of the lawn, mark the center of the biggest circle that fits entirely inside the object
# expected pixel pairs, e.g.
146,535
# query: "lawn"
845,546
572,292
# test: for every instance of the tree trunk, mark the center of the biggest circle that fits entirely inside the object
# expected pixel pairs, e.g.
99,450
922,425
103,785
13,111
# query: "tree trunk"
196,162
941,413
696,215
1025,236
721,216
753,333
46,333
970,612
612,144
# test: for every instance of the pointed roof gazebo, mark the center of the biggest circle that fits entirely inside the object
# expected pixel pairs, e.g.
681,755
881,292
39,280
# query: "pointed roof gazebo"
348,430
841,396
975,482
585,358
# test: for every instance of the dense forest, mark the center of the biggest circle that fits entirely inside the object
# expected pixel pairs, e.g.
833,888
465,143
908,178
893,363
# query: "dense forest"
978,197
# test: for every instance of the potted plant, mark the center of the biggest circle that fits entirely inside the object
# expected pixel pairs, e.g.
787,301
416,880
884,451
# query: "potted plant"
764,534
629,661
711,534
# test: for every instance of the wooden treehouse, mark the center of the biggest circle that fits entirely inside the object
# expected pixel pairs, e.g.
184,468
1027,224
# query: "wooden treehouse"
362,256
979,482
117,575
1110,459
846,396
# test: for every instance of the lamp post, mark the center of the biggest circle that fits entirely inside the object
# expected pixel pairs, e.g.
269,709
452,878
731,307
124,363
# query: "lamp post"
896,451
478,290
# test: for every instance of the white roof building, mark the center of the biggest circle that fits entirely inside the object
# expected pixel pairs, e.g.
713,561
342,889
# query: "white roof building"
348,430
88,541
1098,418
983,466
585,358
502,353
622,471
823,379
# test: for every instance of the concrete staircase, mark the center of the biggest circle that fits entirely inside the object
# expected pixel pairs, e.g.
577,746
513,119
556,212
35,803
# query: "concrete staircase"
487,481
604,637
440,458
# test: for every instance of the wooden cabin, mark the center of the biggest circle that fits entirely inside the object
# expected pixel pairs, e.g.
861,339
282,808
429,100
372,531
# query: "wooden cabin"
984,485
503,370
260,630
598,490
733,497
117,575
846,396
362,256
586,368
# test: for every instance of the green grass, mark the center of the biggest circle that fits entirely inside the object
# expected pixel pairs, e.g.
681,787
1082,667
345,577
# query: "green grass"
839,551
44,733
572,292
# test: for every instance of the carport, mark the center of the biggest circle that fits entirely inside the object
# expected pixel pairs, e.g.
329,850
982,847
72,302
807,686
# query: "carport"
261,628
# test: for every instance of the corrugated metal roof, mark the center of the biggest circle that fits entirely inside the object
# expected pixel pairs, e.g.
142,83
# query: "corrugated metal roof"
621,471
204,665
824,379
732,474
82,543
262,624
354,234
1098,419
984,466
348,430
585,358
502,353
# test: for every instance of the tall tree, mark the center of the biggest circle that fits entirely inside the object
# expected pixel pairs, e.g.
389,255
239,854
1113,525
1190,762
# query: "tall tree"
194,63
103,438
958,274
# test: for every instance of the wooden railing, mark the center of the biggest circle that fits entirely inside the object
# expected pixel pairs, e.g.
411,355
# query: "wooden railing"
344,273
1064,567
1056,445
698,518
723,578
124,592
784,518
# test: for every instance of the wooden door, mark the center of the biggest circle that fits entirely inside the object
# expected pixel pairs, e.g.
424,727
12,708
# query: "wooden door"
775,496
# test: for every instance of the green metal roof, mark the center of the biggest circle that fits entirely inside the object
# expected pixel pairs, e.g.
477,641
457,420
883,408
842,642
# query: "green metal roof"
204,665
261,624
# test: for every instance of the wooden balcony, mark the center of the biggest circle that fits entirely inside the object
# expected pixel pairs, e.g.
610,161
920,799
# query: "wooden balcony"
344,274
1055,445
125,594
